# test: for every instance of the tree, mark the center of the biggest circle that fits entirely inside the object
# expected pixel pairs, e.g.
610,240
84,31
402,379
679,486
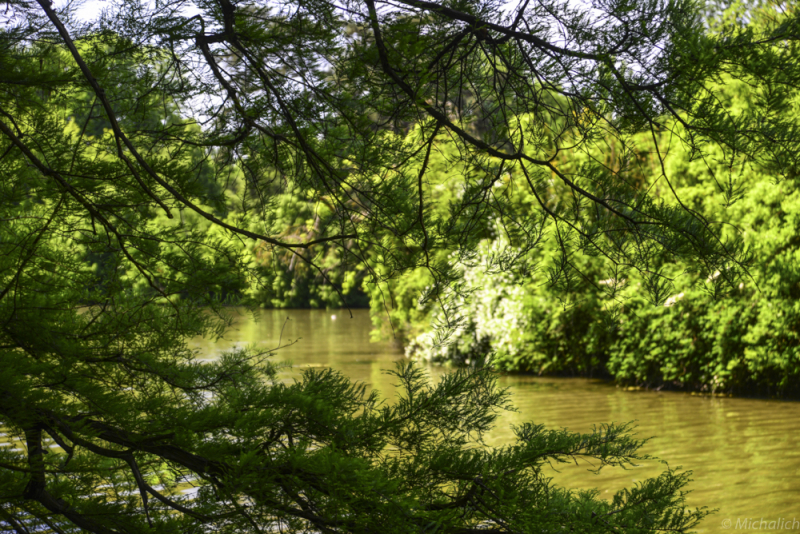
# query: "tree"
141,157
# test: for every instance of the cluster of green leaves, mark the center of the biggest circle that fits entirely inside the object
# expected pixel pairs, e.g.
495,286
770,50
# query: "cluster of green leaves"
326,281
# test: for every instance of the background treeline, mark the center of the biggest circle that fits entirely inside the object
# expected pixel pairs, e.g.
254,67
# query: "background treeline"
549,320
529,312
323,276
696,337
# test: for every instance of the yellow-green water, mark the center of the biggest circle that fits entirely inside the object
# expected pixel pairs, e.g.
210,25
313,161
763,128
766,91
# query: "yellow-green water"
743,452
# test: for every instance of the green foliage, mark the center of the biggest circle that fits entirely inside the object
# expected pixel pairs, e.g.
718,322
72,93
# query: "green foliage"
704,333
318,278
169,159
745,341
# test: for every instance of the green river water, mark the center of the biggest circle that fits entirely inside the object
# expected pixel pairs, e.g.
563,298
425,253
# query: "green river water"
743,452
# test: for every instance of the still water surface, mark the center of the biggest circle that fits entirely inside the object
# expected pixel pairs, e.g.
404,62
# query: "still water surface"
744,452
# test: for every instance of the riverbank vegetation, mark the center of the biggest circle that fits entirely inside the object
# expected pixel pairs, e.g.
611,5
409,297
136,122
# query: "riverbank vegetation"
699,336
692,334
169,159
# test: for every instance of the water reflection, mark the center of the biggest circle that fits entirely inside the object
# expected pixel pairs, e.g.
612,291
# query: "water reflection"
742,451
313,338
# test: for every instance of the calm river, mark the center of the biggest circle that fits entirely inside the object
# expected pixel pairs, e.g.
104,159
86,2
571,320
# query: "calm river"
744,452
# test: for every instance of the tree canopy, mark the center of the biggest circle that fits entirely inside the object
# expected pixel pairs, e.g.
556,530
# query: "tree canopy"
145,153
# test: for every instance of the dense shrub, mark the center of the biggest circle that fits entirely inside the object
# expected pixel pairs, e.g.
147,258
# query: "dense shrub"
699,338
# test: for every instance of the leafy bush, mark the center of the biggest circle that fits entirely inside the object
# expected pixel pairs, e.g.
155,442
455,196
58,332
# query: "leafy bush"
699,338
